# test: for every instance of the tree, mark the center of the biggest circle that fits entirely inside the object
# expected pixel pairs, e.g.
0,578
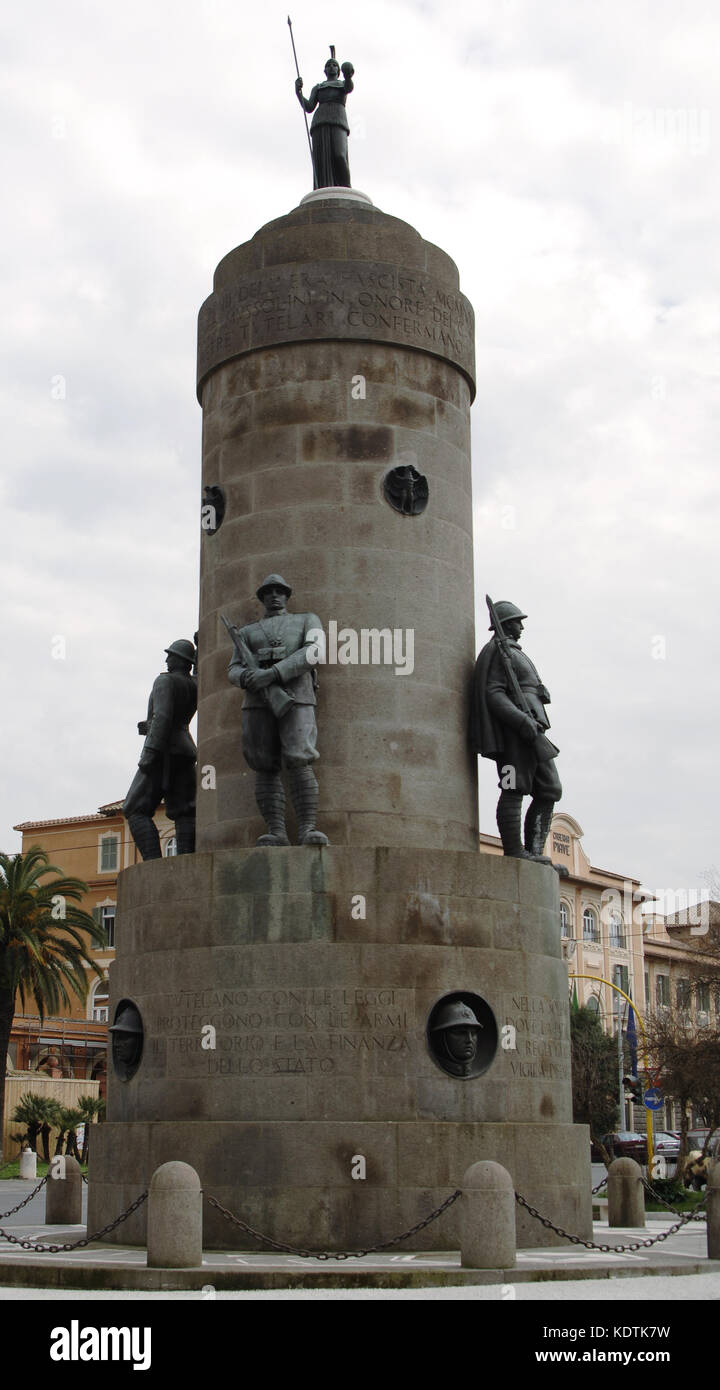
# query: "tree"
90,1107
594,1077
68,1120
32,1111
687,1060
44,940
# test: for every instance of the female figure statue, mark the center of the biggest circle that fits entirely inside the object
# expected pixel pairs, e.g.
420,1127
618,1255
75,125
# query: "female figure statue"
329,130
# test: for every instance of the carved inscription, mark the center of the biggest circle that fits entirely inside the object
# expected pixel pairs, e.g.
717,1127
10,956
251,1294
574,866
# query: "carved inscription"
542,1031
332,299
275,1031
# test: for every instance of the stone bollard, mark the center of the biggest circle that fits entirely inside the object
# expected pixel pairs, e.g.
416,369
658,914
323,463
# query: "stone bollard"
28,1164
63,1200
626,1194
174,1222
487,1217
713,1212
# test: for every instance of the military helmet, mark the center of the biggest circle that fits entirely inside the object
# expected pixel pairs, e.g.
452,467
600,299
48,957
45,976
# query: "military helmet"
182,648
128,1021
455,1015
507,610
273,579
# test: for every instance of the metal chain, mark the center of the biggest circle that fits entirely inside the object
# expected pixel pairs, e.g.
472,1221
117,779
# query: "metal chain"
24,1203
600,1186
334,1254
697,1214
76,1244
589,1244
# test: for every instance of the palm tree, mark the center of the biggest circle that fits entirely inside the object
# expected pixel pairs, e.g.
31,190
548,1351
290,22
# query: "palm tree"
68,1121
44,942
32,1111
90,1107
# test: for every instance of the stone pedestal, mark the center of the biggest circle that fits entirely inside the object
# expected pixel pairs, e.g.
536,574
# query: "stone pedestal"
319,1053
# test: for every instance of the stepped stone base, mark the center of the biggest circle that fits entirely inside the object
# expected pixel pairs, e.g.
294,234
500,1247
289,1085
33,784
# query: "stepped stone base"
285,1040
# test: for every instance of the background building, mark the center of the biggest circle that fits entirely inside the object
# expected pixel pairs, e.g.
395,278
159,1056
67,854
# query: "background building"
93,848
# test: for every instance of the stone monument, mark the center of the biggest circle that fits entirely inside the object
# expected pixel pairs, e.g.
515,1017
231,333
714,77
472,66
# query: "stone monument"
333,1034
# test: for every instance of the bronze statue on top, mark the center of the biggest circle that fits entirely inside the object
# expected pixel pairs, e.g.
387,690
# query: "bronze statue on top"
329,130
508,723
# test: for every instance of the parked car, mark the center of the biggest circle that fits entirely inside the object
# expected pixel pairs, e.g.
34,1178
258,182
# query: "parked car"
666,1144
627,1143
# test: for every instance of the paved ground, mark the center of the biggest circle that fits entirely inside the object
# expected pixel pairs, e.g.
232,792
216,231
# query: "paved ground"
561,1272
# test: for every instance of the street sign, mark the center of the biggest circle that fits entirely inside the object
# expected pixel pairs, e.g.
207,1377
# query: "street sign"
653,1098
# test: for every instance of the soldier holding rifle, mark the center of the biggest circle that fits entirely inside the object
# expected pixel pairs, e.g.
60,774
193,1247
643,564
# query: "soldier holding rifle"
278,716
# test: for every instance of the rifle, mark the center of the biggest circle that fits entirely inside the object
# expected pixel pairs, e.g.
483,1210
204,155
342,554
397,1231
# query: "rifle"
544,749
277,698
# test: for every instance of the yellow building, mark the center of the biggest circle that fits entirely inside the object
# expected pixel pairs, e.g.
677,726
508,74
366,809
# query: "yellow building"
672,947
93,848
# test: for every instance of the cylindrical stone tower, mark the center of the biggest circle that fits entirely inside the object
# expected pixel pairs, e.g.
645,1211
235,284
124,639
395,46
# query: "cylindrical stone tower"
336,347
331,1035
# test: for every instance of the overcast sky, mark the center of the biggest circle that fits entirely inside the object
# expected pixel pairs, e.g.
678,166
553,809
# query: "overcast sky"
566,155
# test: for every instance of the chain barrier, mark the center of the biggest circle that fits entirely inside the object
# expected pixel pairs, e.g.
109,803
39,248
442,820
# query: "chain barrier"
75,1244
334,1254
696,1215
605,1249
600,1186
26,1200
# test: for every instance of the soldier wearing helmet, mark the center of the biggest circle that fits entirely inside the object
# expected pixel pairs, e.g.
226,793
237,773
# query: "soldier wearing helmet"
167,762
508,723
280,732
455,1034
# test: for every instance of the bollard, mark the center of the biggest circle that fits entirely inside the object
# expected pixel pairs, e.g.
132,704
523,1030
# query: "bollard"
174,1222
28,1164
713,1212
63,1202
487,1217
626,1194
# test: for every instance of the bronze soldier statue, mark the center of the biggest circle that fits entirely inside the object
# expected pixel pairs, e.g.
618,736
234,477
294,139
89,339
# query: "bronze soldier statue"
167,762
508,723
278,716
329,129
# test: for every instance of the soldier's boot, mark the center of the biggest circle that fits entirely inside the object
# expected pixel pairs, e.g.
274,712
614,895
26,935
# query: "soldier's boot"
304,792
145,834
270,797
185,834
537,826
509,816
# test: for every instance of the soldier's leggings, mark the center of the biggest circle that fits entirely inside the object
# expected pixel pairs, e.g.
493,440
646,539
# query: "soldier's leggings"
270,743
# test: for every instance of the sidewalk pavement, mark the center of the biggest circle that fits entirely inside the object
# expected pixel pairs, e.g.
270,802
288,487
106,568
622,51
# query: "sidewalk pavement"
105,1267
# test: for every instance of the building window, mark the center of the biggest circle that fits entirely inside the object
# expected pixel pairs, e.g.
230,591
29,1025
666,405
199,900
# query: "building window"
100,1002
593,1005
683,997
108,921
564,920
109,854
171,847
703,1005
621,978
590,925
662,991
617,934
105,917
